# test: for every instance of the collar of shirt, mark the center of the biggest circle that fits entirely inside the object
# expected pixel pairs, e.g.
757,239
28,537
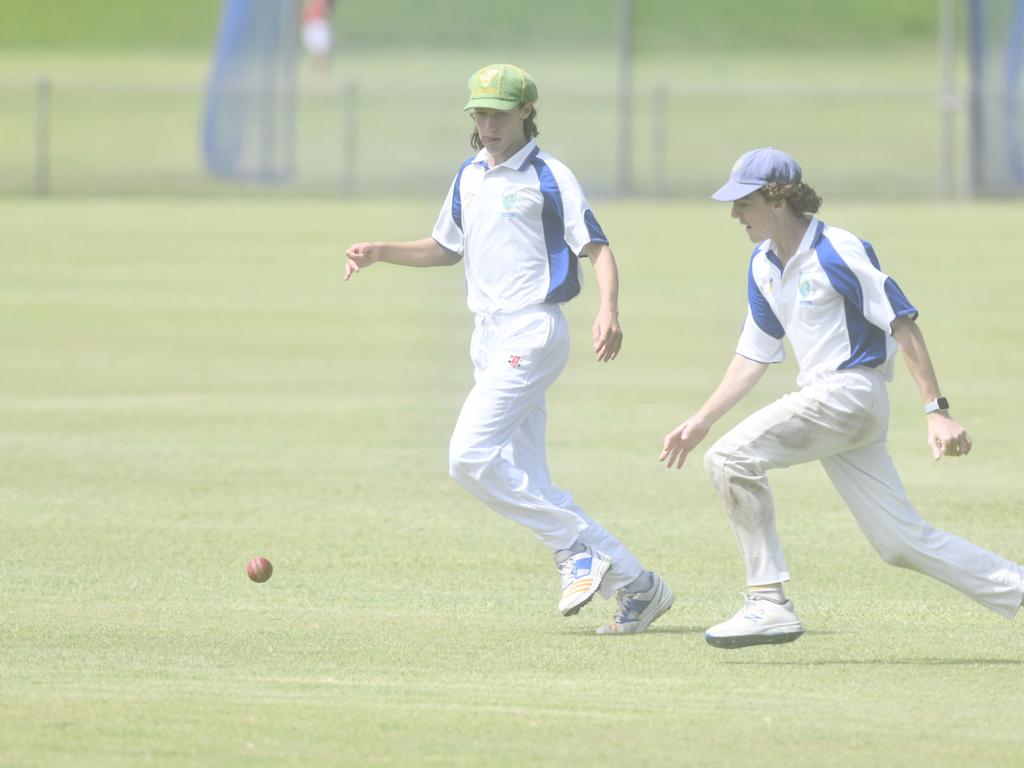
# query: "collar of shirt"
812,235
517,162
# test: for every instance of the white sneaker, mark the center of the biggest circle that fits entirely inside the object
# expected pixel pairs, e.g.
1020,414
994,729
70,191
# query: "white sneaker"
581,577
759,622
637,610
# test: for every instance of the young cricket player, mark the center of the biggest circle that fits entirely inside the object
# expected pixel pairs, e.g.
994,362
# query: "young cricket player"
824,289
518,220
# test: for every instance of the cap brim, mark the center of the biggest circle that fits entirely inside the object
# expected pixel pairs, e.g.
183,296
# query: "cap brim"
734,190
489,104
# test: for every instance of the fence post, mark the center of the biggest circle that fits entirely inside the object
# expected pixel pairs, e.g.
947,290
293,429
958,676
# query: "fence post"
44,90
349,137
624,175
948,102
659,139
976,121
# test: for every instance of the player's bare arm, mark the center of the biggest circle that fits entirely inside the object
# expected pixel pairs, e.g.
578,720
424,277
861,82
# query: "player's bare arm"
413,253
946,436
740,377
606,333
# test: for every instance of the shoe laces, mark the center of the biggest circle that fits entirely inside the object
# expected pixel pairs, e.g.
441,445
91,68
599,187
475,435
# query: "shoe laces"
566,570
752,604
627,604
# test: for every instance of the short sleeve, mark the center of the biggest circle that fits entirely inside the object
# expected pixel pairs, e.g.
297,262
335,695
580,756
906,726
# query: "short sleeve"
756,345
854,271
448,230
581,226
762,334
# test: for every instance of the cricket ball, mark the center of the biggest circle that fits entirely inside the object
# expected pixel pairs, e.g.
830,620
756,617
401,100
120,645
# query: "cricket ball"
259,569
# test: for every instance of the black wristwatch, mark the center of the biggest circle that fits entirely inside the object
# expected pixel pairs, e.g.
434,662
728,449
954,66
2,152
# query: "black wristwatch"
938,404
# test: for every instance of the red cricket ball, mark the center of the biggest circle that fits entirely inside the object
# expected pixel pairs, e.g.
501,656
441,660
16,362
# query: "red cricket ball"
259,569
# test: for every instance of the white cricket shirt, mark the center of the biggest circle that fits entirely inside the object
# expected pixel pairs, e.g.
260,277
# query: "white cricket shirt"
832,300
520,227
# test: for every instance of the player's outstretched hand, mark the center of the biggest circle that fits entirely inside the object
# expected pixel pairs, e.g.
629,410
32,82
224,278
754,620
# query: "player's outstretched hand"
681,440
946,437
607,336
360,255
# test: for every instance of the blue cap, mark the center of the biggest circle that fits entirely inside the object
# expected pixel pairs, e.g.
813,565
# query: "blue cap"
756,168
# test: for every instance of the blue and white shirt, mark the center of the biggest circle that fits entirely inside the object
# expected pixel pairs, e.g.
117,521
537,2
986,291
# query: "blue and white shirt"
832,300
520,227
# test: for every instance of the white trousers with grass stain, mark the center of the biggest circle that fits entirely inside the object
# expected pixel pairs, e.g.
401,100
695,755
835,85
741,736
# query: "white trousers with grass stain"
842,422
497,450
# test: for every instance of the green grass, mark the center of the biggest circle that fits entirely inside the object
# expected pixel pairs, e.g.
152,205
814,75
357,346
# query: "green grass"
662,25
189,383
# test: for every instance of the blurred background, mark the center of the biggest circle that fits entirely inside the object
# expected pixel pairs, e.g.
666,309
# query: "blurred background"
642,98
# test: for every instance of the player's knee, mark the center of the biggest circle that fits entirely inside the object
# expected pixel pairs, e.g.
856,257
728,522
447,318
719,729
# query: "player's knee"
908,551
895,549
466,465
908,546
714,464
896,555
724,465
458,467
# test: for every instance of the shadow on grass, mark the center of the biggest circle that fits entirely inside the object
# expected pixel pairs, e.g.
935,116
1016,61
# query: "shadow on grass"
649,631
675,630
883,662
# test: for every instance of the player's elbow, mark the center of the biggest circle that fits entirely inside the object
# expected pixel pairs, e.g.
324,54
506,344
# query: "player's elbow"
442,256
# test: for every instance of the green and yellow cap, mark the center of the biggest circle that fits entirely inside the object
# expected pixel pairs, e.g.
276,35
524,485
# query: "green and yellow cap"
500,86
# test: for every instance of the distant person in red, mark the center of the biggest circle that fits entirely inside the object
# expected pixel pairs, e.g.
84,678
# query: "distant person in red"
316,33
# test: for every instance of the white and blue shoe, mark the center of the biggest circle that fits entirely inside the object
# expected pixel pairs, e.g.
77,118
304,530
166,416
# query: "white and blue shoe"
760,622
637,610
581,578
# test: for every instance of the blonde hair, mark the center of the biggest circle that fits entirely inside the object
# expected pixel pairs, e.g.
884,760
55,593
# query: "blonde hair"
799,197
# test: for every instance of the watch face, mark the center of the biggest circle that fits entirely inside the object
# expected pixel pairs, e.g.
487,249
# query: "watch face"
943,404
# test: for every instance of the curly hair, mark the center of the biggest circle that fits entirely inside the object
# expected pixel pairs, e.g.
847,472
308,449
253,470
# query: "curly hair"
529,129
799,197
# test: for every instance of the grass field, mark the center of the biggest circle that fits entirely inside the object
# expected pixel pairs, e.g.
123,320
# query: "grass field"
187,384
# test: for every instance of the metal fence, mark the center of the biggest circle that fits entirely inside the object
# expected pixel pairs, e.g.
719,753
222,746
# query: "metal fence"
80,137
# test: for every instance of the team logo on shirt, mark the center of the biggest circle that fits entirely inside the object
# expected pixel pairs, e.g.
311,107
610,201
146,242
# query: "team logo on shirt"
515,361
768,287
806,288
509,198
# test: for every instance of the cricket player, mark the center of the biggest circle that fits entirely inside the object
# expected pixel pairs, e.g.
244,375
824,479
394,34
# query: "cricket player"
518,220
824,288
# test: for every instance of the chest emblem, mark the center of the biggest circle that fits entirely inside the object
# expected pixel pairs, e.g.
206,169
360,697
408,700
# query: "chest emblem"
509,199
768,286
805,287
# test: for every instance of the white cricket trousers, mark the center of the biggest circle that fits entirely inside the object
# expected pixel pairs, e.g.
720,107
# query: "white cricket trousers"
842,421
497,450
